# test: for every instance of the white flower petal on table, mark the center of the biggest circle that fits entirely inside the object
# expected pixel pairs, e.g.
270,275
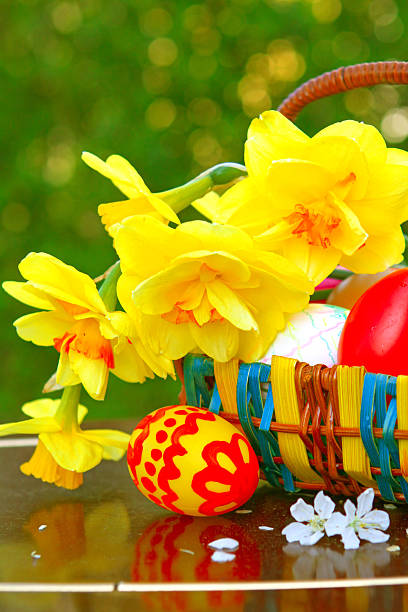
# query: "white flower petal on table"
265,528
323,505
350,510
301,511
224,544
336,524
365,502
311,539
220,556
294,532
373,535
349,539
377,519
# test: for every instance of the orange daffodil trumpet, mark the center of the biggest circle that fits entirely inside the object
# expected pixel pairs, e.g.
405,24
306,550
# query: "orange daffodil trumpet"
336,198
128,180
204,287
64,450
91,339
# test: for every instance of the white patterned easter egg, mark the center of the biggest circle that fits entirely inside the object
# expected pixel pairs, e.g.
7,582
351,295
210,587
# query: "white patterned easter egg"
311,335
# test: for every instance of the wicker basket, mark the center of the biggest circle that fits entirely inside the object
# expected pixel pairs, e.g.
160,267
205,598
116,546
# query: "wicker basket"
316,427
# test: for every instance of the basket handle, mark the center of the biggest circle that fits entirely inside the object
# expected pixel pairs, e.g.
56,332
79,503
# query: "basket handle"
343,79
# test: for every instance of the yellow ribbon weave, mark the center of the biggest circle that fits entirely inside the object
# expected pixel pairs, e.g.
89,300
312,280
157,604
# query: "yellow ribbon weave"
356,462
226,376
402,413
285,400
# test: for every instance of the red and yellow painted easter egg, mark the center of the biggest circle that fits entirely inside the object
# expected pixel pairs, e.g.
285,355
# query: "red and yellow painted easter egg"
191,461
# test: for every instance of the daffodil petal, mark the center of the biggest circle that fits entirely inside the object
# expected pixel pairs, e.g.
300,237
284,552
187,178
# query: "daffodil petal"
350,234
378,253
65,376
163,208
235,206
27,294
228,305
315,261
44,407
115,212
42,327
271,137
207,205
174,341
57,279
71,451
107,437
30,426
93,373
368,138
129,366
211,236
217,339
119,171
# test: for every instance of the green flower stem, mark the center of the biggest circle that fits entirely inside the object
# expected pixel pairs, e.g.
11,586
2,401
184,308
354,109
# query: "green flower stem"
107,290
321,294
67,413
221,174
341,274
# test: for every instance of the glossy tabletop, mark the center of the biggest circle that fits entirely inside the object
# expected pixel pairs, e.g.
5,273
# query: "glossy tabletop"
106,546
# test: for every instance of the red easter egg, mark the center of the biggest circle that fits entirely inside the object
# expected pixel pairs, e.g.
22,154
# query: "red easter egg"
191,461
375,334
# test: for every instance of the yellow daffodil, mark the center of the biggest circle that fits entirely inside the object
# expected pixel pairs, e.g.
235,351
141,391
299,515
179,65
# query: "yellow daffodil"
128,180
64,450
204,288
91,340
336,198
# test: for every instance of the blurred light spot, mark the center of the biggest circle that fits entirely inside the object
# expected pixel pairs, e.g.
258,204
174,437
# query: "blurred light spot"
156,80
156,22
162,51
358,8
383,12
15,217
206,149
230,21
59,207
385,97
202,68
254,95
347,45
286,64
205,40
66,17
359,101
394,125
196,15
326,11
60,165
391,32
204,111
161,113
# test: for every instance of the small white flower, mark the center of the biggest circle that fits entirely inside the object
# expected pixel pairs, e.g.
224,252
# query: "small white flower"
310,522
367,523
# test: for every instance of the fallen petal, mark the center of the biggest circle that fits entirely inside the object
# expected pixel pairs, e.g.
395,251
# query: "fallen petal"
265,528
336,524
324,506
373,535
224,544
377,519
220,556
312,539
349,539
365,502
295,531
301,511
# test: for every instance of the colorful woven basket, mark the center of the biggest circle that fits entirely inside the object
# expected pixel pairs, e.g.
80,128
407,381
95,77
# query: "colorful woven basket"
339,429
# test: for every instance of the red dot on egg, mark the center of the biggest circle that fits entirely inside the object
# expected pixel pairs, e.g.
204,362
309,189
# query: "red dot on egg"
170,422
150,468
181,412
161,436
148,484
156,454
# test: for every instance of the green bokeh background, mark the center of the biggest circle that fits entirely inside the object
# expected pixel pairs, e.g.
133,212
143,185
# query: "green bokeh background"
172,87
